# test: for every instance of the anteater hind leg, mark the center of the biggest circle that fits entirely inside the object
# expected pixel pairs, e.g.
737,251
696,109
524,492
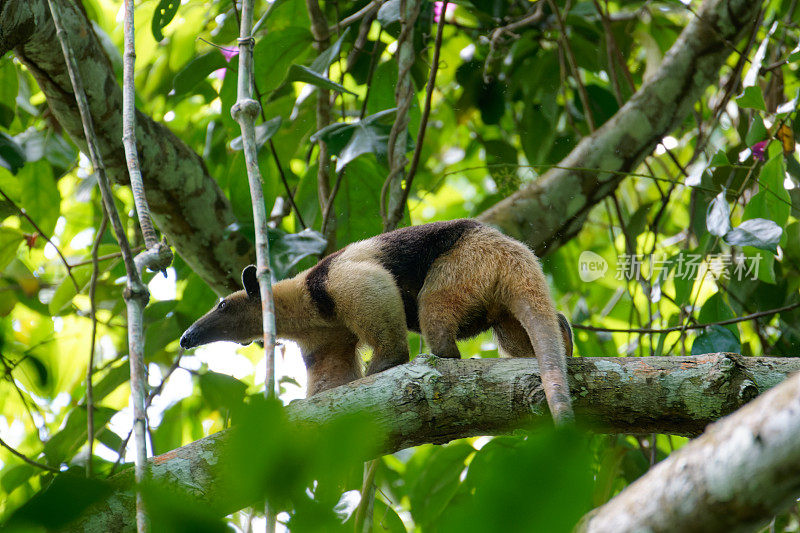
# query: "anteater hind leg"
512,338
514,341
438,321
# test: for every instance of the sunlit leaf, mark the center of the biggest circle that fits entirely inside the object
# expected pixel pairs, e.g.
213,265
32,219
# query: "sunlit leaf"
757,232
15,475
66,290
10,239
329,55
752,98
8,91
64,445
163,14
718,216
772,201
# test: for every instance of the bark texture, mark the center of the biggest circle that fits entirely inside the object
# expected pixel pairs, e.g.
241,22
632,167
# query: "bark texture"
437,400
741,472
187,204
552,210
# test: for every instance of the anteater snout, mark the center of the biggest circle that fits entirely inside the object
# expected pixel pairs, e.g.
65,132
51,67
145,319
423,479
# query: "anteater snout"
189,339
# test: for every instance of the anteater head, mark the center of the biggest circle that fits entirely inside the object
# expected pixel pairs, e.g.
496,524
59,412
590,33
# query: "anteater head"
236,318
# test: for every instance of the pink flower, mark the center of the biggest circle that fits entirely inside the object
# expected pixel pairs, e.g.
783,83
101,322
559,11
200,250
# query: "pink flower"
229,53
758,150
448,11
219,73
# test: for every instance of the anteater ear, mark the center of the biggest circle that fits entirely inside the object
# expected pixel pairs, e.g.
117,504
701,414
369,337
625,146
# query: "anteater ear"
250,282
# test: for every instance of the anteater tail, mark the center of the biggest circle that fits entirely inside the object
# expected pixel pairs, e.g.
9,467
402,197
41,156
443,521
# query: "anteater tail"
547,338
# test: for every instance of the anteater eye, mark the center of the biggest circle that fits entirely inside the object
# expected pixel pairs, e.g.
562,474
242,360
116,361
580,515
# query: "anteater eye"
222,305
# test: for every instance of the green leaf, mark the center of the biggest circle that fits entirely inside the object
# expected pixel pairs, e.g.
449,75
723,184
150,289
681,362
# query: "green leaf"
174,509
40,196
536,135
111,381
752,98
163,14
65,444
553,469
15,475
350,140
715,309
501,160
288,249
389,13
35,370
111,440
718,216
366,139
720,159
65,291
12,156
438,481
9,87
59,504
169,433
385,519
159,310
264,132
10,239
306,75
59,153
158,335
757,232
221,391
772,201
195,300
793,166
765,265
329,55
716,339
274,54
196,71
757,131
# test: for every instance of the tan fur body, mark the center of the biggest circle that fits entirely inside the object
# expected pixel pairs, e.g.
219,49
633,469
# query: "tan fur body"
464,279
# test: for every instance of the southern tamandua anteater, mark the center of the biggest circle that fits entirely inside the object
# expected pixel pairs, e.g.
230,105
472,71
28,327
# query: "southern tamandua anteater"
447,280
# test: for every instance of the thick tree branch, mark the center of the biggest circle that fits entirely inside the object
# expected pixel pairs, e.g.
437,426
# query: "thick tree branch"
186,202
550,211
744,470
437,400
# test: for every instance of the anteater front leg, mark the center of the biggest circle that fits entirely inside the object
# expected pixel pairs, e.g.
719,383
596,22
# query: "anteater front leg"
368,303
